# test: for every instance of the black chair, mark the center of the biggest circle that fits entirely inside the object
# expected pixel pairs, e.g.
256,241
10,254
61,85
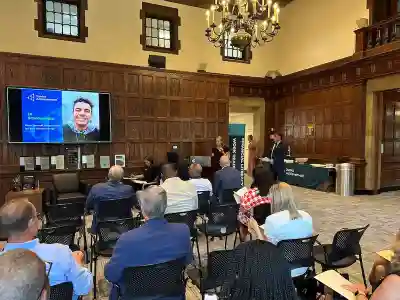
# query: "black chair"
104,240
204,202
64,234
160,280
68,188
217,271
114,209
227,197
344,251
222,222
188,218
68,214
62,291
299,253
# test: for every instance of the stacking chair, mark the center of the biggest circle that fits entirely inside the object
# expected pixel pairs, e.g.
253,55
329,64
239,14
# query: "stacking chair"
227,197
68,214
217,271
344,251
204,202
160,280
62,234
222,222
62,291
188,218
299,253
114,209
106,236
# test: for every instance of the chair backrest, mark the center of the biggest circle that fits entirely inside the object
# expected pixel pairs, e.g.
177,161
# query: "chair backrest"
62,291
224,215
227,196
162,280
217,265
71,212
298,252
346,242
66,182
188,218
58,234
204,202
114,209
109,231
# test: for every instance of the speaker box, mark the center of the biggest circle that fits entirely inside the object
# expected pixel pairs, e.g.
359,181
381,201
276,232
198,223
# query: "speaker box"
157,61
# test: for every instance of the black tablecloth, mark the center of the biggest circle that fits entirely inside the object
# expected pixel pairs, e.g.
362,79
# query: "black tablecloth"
307,176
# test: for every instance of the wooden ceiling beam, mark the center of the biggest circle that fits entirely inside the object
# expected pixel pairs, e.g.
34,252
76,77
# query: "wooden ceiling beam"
207,3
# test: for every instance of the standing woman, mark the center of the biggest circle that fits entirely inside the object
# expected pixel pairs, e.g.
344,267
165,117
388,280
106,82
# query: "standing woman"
217,152
252,155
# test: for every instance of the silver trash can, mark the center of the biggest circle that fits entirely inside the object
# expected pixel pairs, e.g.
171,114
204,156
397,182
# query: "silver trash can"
345,176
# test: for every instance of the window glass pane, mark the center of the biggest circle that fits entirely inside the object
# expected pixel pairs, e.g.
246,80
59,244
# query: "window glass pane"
66,30
74,31
65,8
66,19
50,27
148,41
161,24
58,28
166,24
154,32
167,44
167,34
50,17
161,34
49,6
154,23
57,18
162,43
57,6
74,10
148,22
148,31
154,42
74,20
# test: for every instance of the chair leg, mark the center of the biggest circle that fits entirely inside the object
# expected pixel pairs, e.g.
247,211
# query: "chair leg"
226,241
234,242
198,251
95,278
362,270
208,250
85,247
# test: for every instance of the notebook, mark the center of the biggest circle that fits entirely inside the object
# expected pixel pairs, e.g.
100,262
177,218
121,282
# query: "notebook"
239,194
335,281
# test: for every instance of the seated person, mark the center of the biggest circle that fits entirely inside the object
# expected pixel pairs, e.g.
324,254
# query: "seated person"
20,221
258,271
183,169
257,200
181,195
150,171
157,241
227,178
23,276
201,184
111,190
286,221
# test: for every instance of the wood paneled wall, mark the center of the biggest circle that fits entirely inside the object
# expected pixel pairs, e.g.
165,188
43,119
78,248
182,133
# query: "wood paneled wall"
151,109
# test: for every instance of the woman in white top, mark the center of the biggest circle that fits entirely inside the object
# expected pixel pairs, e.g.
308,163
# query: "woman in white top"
286,222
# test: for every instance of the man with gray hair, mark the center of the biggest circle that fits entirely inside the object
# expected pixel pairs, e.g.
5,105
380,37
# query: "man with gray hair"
201,184
23,276
19,221
155,242
111,190
228,178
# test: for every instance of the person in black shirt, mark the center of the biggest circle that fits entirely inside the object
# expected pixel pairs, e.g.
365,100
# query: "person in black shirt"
150,171
217,152
183,168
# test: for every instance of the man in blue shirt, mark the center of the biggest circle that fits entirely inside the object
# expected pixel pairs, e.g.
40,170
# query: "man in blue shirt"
19,220
157,241
113,189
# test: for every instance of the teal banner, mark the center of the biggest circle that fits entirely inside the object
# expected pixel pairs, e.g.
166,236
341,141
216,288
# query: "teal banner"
236,134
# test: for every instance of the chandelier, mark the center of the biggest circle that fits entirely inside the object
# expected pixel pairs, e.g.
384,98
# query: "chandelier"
243,22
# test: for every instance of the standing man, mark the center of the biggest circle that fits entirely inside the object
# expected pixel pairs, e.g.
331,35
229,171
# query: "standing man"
81,128
277,156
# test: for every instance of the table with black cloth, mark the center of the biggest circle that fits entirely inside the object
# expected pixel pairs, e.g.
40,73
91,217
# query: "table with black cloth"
309,176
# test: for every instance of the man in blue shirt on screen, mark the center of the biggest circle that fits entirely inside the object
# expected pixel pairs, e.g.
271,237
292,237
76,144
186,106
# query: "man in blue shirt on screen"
19,220
81,128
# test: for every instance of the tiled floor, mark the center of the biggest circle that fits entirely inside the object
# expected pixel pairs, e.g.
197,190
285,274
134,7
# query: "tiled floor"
331,213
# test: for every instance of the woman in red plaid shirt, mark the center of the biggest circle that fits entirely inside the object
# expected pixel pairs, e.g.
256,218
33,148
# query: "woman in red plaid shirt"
256,202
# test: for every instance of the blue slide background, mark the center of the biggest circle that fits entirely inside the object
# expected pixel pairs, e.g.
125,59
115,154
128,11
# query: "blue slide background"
48,114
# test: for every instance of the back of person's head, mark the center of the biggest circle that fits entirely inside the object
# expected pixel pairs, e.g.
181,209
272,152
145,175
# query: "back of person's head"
22,276
258,271
116,173
263,179
172,157
283,199
18,218
224,161
195,170
153,202
169,170
150,159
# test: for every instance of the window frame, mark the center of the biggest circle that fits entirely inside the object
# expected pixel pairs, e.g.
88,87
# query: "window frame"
40,22
247,55
164,13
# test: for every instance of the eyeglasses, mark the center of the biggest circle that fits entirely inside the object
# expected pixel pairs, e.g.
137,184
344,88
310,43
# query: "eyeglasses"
46,284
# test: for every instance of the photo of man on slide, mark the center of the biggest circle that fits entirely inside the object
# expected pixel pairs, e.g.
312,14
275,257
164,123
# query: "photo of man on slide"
80,128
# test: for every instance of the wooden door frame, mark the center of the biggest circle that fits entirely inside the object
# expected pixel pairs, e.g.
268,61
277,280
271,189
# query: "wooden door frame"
378,137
